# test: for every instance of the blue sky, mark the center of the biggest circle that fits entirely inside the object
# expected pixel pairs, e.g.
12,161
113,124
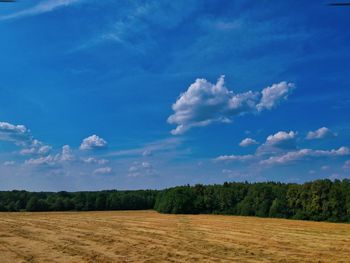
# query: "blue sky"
151,94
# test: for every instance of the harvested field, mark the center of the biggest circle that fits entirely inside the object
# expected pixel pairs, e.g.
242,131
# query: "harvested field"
146,236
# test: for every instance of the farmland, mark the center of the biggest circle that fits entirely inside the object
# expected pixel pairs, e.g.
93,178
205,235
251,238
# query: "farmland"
147,236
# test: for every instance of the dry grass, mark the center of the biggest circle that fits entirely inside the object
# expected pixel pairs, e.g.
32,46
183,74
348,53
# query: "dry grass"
146,236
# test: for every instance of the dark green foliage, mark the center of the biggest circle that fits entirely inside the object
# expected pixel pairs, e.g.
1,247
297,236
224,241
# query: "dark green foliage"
321,200
34,204
78,201
178,200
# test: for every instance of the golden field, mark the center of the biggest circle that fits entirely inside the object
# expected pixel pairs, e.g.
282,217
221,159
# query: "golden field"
146,236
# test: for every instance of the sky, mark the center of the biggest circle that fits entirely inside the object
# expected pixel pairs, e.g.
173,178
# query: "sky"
152,94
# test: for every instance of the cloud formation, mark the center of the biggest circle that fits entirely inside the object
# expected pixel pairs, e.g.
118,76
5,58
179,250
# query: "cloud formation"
40,8
274,143
36,147
247,157
271,96
320,133
141,169
66,155
49,160
204,103
93,160
303,154
247,142
280,148
103,170
279,141
22,137
93,142
17,134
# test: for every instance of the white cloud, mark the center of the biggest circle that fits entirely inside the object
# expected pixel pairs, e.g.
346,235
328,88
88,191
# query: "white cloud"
235,157
42,7
281,148
36,147
204,103
303,154
22,137
17,134
66,155
271,96
46,160
281,140
321,133
93,142
141,169
247,142
103,170
94,160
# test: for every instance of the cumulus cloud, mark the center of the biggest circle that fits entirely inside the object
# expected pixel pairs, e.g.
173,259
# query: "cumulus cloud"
321,133
280,148
303,154
204,103
271,96
103,170
42,7
93,142
17,134
141,169
274,143
66,155
22,137
247,142
36,147
279,140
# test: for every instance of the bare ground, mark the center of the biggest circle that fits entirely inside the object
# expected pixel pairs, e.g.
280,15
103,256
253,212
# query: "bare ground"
146,236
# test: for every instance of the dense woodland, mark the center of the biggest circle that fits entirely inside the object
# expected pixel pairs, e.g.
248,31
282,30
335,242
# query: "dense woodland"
321,200
77,201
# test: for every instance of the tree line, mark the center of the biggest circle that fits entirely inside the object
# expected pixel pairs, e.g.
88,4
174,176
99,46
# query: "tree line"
12,201
320,200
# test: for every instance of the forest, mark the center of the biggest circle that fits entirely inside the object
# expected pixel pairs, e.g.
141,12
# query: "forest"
320,200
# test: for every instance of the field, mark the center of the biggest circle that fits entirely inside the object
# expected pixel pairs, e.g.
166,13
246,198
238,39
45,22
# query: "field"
146,236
